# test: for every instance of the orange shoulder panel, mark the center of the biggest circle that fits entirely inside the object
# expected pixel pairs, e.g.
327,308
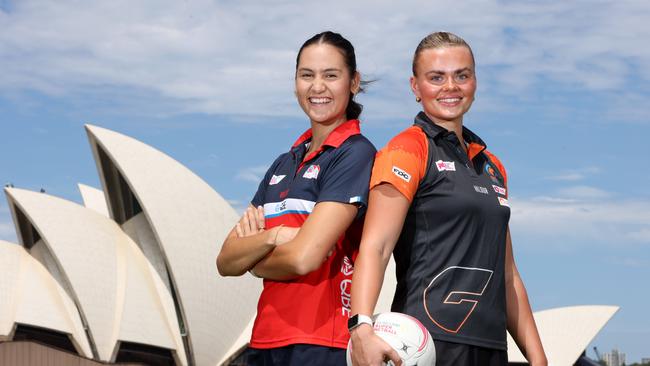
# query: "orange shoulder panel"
402,162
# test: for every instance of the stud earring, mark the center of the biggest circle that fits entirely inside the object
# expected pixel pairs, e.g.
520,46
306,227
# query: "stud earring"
418,99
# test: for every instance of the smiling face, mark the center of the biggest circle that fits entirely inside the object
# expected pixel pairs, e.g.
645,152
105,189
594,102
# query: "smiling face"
324,84
445,81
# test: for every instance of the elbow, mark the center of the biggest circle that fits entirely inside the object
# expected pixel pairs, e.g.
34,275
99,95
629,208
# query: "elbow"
225,269
304,264
221,268
385,255
302,269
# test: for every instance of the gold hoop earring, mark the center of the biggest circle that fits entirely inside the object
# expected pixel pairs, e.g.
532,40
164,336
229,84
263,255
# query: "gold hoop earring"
417,99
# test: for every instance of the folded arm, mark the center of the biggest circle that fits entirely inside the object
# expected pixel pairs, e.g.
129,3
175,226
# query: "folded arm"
306,252
246,244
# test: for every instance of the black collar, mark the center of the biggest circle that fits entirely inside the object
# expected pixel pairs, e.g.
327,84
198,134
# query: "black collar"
434,131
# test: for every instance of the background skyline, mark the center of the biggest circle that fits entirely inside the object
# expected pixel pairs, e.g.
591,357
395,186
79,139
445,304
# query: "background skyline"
563,100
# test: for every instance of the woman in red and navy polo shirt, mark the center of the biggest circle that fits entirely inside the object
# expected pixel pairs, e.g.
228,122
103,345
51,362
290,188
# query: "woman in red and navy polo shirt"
438,202
302,228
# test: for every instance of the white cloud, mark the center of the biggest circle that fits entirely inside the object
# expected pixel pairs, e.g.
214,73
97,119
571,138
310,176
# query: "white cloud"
238,205
582,192
642,235
569,176
631,262
238,57
563,222
574,175
252,174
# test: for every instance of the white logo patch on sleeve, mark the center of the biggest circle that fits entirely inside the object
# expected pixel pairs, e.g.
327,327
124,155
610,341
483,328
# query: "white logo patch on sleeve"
312,172
480,189
275,179
449,166
499,190
401,173
503,201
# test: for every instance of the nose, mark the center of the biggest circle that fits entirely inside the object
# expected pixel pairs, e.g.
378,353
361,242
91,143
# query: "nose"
450,84
318,85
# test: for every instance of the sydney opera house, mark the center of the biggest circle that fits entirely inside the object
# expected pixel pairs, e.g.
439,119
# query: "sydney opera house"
129,277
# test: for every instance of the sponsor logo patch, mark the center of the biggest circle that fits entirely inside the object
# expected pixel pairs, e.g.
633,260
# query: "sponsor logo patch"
346,296
503,202
401,173
312,172
281,207
493,174
449,166
275,179
480,189
346,267
499,190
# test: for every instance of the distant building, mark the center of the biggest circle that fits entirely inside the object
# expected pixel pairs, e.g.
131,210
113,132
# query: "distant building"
614,358
645,360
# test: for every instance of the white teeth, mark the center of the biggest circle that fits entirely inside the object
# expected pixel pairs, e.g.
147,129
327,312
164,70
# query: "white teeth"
319,100
450,100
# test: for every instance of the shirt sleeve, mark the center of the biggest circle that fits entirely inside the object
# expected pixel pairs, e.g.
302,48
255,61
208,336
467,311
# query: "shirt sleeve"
402,162
347,176
258,199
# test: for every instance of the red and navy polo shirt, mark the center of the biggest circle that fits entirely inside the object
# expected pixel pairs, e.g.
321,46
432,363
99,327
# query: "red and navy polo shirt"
313,309
450,256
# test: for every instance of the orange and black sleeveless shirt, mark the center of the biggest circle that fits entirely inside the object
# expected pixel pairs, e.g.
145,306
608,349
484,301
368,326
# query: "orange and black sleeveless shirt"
450,256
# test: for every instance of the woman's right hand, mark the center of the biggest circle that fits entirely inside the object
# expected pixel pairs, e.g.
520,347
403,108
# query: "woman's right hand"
251,222
285,234
368,349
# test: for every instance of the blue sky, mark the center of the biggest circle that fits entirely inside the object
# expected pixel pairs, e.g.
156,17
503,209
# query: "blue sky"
563,100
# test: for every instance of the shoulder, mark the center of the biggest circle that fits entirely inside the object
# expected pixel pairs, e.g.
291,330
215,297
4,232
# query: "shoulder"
358,143
412,140
357,148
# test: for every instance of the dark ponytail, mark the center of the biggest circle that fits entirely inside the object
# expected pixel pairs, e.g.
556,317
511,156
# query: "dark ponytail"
353,110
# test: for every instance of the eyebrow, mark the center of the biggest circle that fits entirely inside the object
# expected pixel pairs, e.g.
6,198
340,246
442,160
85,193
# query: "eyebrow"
441,72
326,70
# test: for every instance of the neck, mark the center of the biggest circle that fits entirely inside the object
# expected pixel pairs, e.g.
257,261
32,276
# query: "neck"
320,131
455,126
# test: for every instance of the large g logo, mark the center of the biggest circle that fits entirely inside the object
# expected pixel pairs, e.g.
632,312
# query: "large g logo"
452,295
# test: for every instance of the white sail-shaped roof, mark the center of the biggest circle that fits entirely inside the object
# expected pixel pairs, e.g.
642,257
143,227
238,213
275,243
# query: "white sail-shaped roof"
189,221
566,332
93,199
31,296
119,295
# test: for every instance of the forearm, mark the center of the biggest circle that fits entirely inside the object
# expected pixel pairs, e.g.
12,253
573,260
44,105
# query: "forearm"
368,279
521,323
280,265
239,254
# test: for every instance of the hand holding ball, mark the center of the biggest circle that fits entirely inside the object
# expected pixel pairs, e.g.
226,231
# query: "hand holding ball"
407,336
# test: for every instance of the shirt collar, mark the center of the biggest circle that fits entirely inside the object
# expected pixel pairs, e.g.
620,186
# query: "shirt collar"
336,137
475,143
